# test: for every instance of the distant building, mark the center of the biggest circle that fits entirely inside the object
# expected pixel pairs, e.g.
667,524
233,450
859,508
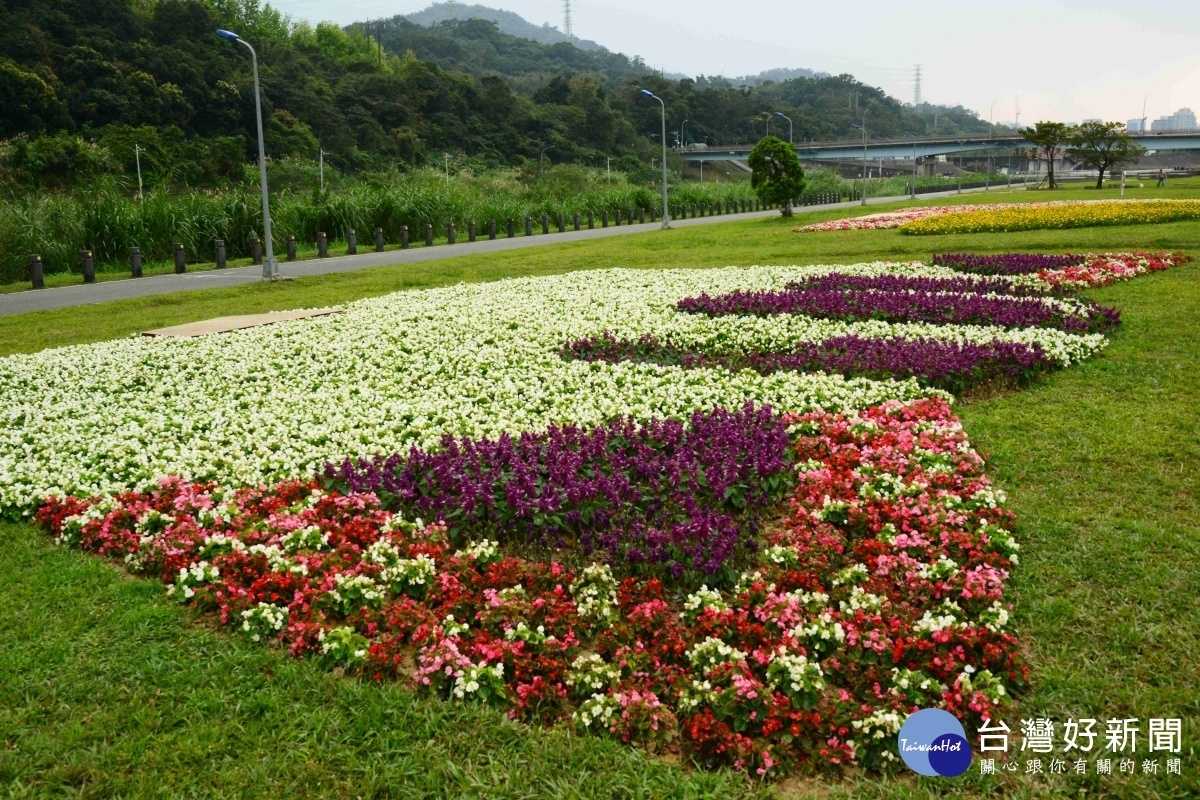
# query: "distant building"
1092,119
1181,120
1135,125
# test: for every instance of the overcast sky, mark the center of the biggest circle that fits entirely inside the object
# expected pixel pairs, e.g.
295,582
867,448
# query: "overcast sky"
1066,60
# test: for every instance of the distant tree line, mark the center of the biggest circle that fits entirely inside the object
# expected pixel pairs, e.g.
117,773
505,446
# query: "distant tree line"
82,82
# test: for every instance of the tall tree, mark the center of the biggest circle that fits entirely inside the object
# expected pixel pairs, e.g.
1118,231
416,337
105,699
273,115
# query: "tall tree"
1103,146
777,175
1047,138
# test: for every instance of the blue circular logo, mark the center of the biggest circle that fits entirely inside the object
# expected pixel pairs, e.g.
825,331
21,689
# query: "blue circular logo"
933,742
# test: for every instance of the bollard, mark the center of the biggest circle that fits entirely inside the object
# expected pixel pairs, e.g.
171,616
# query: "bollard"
545,224
322,245
491,230
591,220
180,260
604,218
351,242
256,251
135,262
450,234
403,237
528,226
642,216
87,265
35,271
379,240
617,217
218,253
428,235
290,243
575,219
471,231
562,222
512,227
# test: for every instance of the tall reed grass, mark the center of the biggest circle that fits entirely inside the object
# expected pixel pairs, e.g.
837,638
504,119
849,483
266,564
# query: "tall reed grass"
108,220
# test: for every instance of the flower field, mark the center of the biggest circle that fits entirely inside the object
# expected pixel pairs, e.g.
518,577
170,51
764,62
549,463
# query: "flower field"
1039,216
728,513
882,590
1004,217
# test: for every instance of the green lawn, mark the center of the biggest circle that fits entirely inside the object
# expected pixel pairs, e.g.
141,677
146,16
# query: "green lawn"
110,690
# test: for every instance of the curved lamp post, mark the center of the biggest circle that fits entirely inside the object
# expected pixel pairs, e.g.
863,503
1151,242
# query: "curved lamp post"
666,222
789,119
913,194
270,265
542,157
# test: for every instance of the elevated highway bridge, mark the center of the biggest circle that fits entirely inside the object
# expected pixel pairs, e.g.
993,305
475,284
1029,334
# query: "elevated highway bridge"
924,146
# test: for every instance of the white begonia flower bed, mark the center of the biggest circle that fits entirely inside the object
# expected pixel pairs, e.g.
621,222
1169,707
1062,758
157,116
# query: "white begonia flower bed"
474,360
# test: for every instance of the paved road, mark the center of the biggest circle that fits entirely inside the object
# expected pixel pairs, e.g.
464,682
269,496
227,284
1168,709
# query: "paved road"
103,292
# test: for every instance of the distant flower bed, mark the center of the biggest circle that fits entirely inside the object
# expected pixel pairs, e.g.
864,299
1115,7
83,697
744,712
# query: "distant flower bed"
951,366
1029,217
881,590
887,219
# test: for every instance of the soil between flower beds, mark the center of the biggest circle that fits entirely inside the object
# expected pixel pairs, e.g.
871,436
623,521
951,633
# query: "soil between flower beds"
881,591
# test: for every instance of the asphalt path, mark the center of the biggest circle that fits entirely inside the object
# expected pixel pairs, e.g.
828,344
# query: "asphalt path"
107,291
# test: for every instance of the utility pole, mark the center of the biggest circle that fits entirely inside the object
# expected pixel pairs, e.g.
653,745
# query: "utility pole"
917,89
137,150
567,29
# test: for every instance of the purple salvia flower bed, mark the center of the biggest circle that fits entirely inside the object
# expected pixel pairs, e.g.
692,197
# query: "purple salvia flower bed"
907,306
952,366
1007,263
839,281
664,494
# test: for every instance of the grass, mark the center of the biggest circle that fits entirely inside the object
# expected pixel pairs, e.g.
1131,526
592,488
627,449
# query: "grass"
110,690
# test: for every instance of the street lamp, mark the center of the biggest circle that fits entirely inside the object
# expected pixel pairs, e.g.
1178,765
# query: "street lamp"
321,166
913,194
960,156
270,266
542,156
789,119
863,128
666,222
683,134
137,151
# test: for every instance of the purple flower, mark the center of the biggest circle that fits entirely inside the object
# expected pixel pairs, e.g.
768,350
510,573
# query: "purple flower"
953,366
945,301
658,494
1007,263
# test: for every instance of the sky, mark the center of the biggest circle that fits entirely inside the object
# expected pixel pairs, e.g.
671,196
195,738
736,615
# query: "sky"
1065,60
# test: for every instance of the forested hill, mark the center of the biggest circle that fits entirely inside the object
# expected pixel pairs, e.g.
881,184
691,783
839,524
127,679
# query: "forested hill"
479,47
506,21
84,81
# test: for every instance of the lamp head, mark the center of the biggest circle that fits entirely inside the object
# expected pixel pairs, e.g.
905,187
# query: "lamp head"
852,125
779,113
230,35
647,92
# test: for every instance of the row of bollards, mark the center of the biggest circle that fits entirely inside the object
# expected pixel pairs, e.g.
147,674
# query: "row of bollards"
87,261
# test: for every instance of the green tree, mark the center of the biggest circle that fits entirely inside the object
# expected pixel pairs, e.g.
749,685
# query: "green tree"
777,175
1047,139
1103,146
